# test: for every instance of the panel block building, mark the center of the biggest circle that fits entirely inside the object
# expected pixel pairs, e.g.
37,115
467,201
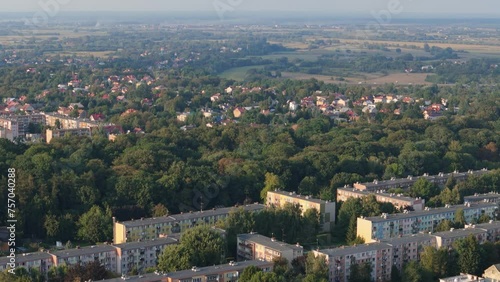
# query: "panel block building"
258,247
326,209
398,200
156,227
403,224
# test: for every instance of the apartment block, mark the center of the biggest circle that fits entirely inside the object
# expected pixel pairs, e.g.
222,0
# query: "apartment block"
14,126
258,247
141,255
56,133
40,261
492,197
65,122
447,238
156,227
403,224
398,200
106,255
326,209
220,273
407,249
407,182
340,260
492,229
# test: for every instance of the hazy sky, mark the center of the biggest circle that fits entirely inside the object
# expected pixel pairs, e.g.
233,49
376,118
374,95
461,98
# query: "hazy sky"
333,6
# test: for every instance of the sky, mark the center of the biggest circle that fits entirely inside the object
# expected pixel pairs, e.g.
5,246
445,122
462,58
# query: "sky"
400,7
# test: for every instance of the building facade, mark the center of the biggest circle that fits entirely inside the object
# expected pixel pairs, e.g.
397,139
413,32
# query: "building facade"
258,247
398,200
407,182
220,273
326,209
140,255
492,197
403,224
41,261
152,228
106,255
340,260
56,133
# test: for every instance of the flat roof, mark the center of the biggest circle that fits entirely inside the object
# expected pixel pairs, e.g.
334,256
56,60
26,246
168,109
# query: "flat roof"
190,215
411,214
418,238
491,195
377,193
149,277
20,258
459,233
409,179
268,242
149,243
212,270
492,225
84,251
298,196
350,250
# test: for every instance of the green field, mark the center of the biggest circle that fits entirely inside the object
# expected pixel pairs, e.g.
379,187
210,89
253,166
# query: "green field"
239,73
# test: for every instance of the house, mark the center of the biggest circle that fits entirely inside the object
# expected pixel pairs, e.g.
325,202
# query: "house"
215,97
27,108
73,106
370,109
321,100
492,273
97,117
182,117
238,112
146,102
292,106
432,115
380,99
127,112
229,90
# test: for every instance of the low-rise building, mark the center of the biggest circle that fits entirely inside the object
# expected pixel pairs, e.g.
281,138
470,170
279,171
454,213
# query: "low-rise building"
403,224
258,247
156,227
326,209
220,273
398,200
